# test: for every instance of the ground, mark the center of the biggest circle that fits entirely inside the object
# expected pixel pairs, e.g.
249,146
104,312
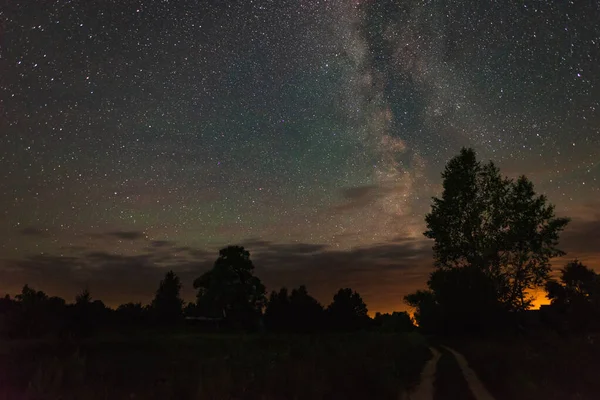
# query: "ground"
329,366
333,366
543,365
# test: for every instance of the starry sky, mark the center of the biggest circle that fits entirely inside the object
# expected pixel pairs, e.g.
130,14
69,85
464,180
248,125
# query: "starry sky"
137,136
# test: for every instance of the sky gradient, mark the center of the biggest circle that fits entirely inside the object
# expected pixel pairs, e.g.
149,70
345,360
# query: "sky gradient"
141,136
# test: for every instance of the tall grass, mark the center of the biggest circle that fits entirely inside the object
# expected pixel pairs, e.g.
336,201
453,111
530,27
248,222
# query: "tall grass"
544,366
332,366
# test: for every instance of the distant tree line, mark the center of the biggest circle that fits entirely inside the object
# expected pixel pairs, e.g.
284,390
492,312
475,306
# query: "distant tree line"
229,298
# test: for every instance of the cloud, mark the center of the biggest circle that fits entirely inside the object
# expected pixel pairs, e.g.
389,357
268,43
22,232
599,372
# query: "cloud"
359,192
382,273
161,243
257,246
126,235
582,236
34,232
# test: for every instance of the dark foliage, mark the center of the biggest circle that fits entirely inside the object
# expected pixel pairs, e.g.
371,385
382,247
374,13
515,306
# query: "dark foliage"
347,312
460,300
231,291
229,298
493,241
132,315
298,312
86,316
576,297
34,314
167,306
395,322
495,224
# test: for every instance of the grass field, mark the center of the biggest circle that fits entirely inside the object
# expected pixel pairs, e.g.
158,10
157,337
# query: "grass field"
544,366
336,366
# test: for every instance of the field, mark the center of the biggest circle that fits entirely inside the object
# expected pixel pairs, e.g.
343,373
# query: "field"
332,366
544,366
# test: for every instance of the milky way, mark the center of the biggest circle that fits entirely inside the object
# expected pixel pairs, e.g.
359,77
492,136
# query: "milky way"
143,135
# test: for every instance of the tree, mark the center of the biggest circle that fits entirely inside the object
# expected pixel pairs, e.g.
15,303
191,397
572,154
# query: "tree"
132,314
306,312
31,297
83,298
459,300
427,311
36,314
577,295
495,224
167,306
230,289
191,310
397,322
87,315
277,313
297,312
348,311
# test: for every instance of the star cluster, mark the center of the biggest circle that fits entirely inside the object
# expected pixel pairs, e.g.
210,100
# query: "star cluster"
311,129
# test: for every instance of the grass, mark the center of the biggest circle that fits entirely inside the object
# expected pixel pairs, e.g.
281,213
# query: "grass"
544,366
336,366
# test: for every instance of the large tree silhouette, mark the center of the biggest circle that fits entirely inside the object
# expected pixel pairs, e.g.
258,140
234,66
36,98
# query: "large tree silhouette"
493,241
230,290
167,306
495,224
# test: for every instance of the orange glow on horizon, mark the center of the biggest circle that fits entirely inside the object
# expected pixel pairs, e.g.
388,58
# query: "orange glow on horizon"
539,299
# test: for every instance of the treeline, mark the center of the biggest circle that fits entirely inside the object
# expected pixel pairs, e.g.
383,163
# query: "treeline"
229,298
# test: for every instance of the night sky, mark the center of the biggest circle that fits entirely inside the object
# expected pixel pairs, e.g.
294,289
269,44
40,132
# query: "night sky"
141,136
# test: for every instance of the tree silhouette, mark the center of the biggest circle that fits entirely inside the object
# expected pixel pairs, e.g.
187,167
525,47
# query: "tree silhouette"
494,224
167,306
577,295
230,290
277,313
132,315
427,311
36,314
348,311
191,310
87,315
297,312
83,298
31,297
306,311
459,300
395,322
